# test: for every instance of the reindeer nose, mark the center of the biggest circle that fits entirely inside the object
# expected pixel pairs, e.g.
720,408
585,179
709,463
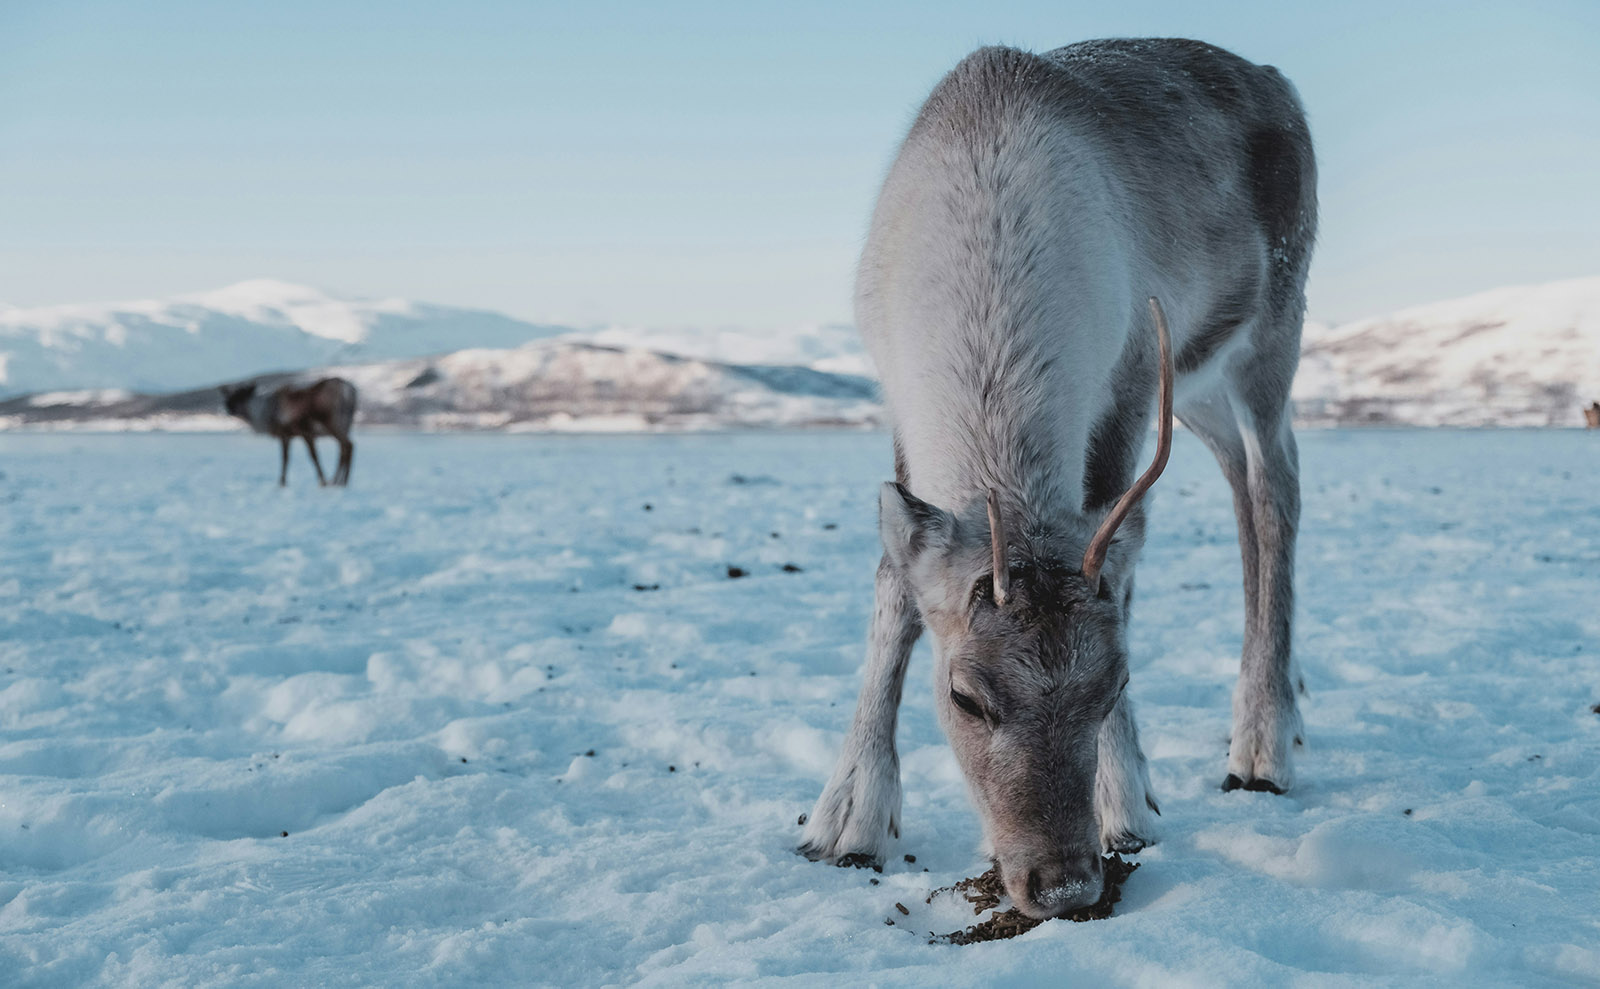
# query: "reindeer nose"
1056,889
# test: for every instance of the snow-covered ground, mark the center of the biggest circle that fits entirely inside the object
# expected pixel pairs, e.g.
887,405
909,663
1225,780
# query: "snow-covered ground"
497,714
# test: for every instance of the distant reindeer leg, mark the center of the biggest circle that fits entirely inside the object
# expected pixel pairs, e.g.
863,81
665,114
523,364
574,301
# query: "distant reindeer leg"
347,456
311,445
283,469
859,809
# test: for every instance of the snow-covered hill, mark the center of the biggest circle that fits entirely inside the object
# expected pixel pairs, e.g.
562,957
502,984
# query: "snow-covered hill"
555,385
258,326
833,347
1520,356
576,385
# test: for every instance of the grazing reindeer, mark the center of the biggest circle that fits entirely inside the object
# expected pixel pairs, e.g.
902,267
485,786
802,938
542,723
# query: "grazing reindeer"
326,408
1006,294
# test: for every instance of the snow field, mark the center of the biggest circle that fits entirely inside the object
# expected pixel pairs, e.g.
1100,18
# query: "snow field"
408,677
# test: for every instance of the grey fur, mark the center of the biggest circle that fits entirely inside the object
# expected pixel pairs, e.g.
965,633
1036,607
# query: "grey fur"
1036,203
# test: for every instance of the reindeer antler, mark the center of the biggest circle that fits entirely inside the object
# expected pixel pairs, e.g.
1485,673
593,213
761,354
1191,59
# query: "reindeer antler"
1095,556
997,545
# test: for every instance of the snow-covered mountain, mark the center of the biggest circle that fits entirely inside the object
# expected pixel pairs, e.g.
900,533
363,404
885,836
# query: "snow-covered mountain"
833,347
553,385
253,327
577,385
1520,356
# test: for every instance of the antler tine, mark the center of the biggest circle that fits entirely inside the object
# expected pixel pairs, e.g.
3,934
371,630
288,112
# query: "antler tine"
1095,556
997,545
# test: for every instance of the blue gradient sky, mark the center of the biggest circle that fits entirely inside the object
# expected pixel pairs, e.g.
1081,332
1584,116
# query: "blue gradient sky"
700,162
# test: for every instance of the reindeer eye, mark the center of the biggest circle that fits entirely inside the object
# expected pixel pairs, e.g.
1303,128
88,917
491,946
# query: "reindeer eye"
967,705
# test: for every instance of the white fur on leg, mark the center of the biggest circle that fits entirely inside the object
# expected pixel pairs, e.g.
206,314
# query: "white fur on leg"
1122,794
859,810
1266,725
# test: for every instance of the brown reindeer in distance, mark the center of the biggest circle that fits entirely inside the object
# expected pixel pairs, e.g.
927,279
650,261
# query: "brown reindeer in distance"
325,408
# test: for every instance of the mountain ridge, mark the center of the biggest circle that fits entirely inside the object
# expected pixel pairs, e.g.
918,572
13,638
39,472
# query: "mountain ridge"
1514,356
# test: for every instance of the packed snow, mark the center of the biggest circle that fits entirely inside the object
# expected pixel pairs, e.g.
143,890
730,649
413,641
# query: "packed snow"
502,713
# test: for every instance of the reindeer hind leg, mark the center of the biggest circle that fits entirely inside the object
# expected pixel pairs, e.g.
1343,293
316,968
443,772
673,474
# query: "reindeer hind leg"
311,446
1266,717
1245,424
347,450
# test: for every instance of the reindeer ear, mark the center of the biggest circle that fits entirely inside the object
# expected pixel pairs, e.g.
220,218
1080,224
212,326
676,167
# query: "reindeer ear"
909,526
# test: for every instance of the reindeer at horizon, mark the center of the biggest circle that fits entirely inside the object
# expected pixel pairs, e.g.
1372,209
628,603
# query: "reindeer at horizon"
1038,208
326,408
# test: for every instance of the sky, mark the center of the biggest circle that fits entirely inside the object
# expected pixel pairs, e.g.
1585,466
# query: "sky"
697,163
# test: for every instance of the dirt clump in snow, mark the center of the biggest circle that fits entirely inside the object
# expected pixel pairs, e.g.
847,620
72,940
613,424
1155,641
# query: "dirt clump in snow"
985,892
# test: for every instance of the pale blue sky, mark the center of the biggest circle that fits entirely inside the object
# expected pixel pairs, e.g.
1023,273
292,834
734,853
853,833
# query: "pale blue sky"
711,163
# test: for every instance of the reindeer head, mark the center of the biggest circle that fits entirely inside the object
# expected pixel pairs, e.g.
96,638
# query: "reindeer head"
1030,658
236,398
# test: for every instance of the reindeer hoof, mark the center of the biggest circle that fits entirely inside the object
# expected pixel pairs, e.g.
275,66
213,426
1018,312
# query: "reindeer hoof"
859,860
852,860
1257,786
1127,844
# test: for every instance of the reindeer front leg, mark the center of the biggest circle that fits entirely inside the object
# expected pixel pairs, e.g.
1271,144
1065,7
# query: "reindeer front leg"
859,810
1122,796
283,466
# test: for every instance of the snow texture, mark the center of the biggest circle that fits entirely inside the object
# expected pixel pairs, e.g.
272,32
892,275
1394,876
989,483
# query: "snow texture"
500,714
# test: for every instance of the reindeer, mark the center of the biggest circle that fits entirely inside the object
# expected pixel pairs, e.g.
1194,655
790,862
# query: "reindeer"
1037,209
326,408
